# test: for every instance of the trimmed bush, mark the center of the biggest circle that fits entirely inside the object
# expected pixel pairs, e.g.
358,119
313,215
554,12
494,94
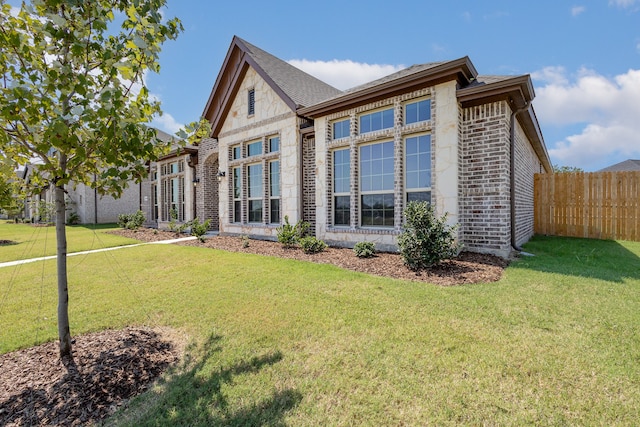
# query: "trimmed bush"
289,235
364,249
312,245
426,239
131,221
199,229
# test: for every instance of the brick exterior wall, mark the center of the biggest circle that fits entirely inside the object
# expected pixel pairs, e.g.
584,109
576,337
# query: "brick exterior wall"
484,179
527,164
207,199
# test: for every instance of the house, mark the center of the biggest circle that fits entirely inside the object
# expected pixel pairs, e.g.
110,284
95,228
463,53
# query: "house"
285,144
627,165
89,206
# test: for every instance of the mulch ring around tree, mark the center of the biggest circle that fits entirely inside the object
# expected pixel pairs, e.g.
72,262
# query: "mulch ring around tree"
109,368
7,242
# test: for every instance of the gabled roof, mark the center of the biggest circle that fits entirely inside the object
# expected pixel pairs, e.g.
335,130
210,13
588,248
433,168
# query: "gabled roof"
413,77
627,165
296,88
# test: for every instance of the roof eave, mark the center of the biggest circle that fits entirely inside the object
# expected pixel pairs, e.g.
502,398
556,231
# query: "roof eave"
461,70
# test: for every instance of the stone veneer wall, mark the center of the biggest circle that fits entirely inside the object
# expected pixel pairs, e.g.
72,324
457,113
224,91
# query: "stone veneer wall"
484,179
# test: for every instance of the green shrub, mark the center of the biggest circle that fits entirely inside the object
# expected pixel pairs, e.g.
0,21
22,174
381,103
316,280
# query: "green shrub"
289,235
245,241
73,218
364,249
199,229
174,225
426,239
312,245
131,221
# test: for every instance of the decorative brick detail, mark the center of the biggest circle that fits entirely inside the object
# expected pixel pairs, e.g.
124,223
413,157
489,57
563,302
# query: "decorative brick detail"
309,183
207,196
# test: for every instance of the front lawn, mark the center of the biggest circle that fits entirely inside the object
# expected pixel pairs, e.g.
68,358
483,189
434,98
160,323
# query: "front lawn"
284,342
22,241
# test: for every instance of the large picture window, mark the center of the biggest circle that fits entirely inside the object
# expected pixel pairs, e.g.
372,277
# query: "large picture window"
341,187
376,185
418,168
254,192
376,121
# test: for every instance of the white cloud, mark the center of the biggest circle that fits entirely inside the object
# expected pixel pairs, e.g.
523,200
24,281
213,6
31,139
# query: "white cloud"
344,74
167,123
622,3
577,10
606,108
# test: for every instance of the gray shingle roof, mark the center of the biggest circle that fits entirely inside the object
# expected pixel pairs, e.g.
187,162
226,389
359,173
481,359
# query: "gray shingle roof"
627,165
302,88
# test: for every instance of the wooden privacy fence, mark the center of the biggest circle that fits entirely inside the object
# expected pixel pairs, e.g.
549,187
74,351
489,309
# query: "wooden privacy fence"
598,205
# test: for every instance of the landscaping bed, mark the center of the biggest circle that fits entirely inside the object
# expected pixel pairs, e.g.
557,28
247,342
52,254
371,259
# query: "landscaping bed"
467,268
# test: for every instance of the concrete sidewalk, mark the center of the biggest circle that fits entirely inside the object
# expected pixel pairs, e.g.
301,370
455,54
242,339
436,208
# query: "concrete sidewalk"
44,258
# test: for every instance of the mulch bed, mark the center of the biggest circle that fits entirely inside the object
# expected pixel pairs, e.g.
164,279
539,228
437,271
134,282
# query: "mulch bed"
109,368
467,268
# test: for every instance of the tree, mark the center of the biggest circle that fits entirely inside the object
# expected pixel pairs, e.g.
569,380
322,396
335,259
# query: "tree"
566,169
73,97
8,188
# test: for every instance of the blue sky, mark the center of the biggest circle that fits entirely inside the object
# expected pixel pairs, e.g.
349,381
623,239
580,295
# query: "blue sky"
584,56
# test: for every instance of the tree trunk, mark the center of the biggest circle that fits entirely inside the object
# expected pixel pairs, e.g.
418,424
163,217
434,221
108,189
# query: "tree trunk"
64,333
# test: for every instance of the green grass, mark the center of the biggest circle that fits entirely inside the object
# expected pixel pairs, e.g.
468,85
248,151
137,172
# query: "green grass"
282,342
33,242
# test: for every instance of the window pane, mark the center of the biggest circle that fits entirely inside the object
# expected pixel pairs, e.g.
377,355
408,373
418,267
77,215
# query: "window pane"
254,148
341,171
274,215
377,210
274,179
376,121
254,180
341,129
419,196
342,210
418,162
237,211
237,183
376,164
418,111
255,210
274,144
236,152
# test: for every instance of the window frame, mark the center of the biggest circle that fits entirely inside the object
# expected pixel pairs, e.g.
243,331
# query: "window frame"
340,122
270,141
274,184
384,192
416,102
337,194
372,113
236,184
254,198
419,189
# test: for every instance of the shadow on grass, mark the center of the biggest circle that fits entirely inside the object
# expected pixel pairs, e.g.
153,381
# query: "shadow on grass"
590,258
192,397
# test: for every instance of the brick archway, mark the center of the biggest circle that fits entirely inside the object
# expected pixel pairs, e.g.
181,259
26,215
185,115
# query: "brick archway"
207,203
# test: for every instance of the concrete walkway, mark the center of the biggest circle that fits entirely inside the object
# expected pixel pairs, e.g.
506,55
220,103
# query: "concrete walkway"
44,258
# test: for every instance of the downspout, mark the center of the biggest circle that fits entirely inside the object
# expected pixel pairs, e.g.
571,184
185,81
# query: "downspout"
512,143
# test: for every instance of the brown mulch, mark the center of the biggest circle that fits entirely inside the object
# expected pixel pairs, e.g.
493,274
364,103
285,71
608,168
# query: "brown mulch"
109,368
467,268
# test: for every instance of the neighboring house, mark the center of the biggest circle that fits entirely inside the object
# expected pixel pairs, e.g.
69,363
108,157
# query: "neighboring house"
627,165
171,186
285,144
